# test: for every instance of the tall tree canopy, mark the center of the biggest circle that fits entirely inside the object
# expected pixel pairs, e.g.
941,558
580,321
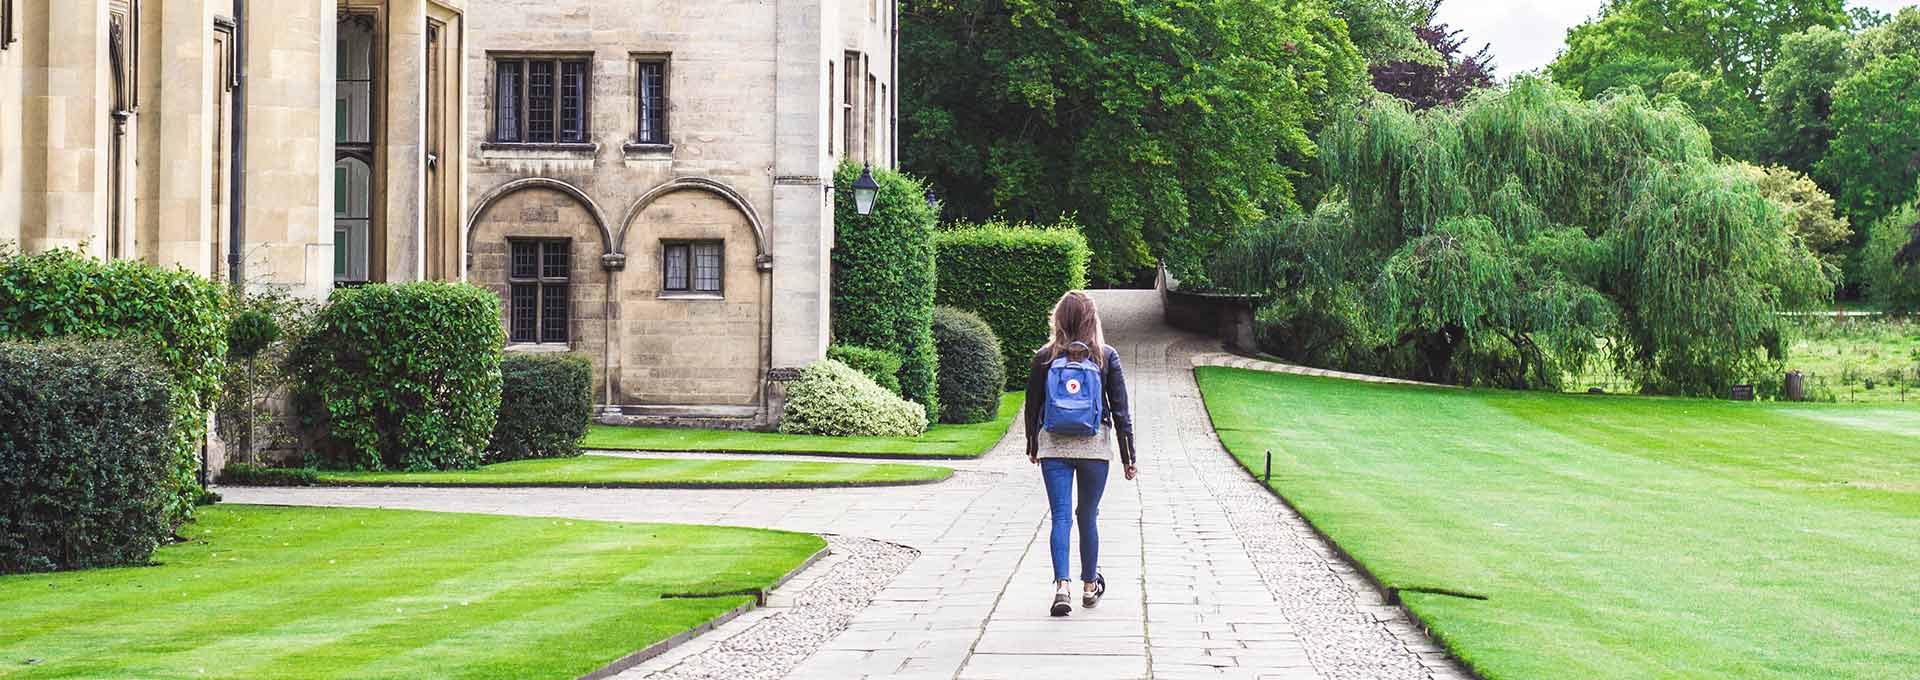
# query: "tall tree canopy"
1497,242
1161,127
1731,41
1875,155
1429,83
1799,89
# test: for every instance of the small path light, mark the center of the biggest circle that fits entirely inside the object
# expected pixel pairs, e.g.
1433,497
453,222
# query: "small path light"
864,190
1269,474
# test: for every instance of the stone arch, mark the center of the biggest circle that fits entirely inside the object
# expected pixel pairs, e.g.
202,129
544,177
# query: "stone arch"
608,245
762,249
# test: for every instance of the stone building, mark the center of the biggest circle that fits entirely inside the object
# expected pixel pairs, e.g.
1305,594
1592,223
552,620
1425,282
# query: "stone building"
650,185
277,143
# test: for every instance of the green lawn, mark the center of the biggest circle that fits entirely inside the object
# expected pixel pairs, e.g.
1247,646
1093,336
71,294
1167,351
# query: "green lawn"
941,441
315,593
616,471
1613,537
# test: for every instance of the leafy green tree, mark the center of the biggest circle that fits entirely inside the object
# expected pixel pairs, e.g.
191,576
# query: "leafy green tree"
1733,41
1160,127
1875,155
1799,101
1497,242
1810,211
1383,30
1731,119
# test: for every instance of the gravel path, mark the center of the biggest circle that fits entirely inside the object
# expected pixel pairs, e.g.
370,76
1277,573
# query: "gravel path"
1212,577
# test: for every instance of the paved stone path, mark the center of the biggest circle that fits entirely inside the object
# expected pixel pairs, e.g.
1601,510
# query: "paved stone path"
1210,576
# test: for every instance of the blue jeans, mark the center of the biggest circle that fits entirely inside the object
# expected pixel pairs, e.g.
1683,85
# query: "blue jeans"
1061,475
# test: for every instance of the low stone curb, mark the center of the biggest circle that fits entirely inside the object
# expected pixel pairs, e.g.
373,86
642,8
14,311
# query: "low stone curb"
684,486
816,454
656,649
1225,360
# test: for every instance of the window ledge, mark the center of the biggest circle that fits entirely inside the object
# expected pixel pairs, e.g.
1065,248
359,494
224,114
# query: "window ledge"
692,296
538,348
586,151
638,151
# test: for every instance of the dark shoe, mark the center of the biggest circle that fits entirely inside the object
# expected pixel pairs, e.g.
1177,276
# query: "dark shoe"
1092,597
1062,603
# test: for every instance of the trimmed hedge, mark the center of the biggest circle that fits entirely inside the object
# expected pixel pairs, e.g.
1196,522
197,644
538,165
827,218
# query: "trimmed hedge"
1011,275
546,403
883,277
88,466
832,399
401,376
880,365
247,474
972,372
177,315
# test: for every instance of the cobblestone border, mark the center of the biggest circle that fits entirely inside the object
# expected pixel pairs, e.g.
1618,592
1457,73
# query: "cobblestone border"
621,664
682,486
890,457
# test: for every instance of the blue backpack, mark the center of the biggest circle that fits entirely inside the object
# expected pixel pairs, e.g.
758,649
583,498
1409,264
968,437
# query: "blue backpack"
1075,400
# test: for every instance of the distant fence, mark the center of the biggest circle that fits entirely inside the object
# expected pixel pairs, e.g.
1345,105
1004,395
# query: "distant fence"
1849,386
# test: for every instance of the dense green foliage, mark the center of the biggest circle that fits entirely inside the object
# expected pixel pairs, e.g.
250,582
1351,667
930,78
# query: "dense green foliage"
1495,243
1799,95
1161,128
546,403
971,373
178,315
834,400
1011,275
883,278
1731,41
248,474
880,365
1604,531
88,472
1875,154
1808,209
1385,31
940,441
1894,281
401,376
597,471
266,593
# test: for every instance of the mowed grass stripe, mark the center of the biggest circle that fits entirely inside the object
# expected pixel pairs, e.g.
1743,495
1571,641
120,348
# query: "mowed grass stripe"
545,598
940,441
1614,537
597,470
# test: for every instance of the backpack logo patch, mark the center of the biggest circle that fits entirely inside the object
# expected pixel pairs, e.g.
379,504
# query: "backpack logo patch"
1073,387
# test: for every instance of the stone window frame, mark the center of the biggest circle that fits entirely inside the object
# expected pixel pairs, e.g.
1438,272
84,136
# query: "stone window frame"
689,287
560,60
542,283
664,113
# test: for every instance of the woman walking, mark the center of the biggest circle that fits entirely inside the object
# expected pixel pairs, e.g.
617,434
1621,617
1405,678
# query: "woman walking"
1076,410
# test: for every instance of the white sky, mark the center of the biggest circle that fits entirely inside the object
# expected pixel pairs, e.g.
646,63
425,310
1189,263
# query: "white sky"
1527,34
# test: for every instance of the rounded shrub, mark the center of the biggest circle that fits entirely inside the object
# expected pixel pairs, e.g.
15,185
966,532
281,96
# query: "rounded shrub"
833,399
546,403
972,372
401,376
88,467
1011,275
178,316
881,365
883,277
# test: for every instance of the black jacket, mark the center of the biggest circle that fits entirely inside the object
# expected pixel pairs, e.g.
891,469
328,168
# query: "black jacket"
1113,381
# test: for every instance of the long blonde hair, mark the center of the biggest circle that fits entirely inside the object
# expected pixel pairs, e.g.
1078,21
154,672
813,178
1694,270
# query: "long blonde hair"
1077,319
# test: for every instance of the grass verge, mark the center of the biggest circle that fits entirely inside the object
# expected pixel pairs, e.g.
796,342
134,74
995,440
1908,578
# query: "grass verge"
617,471
318,593
940,441
1612,537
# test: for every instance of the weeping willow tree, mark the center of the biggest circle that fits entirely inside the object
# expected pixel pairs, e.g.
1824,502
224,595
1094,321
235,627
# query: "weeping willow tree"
1525,235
